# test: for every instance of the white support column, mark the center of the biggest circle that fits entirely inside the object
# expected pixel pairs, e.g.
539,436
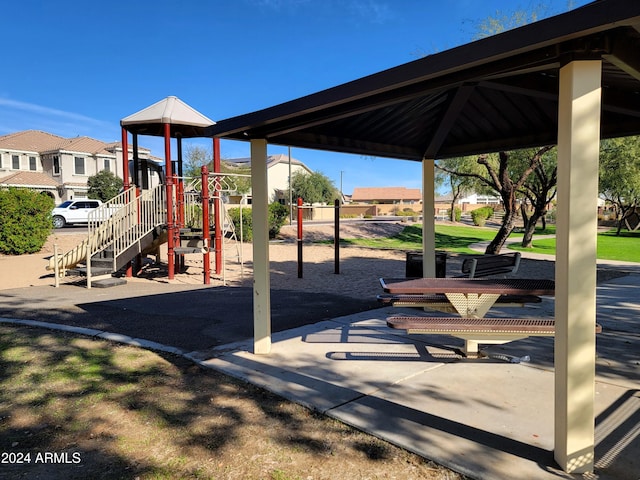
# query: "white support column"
261,280
578,154
428,219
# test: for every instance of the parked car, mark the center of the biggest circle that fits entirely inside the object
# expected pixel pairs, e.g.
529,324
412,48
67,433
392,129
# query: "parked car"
73,211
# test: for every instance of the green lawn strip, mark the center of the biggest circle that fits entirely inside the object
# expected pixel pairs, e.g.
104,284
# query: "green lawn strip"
450,238
457,239
610,246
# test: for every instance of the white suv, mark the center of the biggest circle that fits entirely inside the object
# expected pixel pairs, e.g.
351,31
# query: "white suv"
73,211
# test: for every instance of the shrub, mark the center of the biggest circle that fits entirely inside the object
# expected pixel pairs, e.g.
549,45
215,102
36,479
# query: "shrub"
457,212
25,221
406,212
480,215
278,214
246,228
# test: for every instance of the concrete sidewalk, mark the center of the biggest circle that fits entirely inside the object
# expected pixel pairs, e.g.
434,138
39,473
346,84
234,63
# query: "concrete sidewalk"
490,418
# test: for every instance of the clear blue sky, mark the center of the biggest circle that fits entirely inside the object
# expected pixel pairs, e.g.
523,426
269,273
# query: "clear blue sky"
74,67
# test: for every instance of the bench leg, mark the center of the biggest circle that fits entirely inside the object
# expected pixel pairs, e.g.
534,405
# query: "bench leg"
471,348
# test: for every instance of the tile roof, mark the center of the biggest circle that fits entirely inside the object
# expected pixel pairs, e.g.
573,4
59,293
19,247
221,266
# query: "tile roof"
85,144
30,140
385,193
29,179
41,142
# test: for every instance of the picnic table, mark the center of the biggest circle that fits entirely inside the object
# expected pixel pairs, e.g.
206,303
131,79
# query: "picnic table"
471,299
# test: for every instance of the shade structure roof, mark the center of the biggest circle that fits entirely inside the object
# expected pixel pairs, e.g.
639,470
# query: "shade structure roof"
184,120
494,94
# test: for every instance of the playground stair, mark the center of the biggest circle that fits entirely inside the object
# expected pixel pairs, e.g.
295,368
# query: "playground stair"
192,241
118,231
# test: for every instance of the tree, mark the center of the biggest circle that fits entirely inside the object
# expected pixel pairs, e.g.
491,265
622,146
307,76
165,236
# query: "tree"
457,183
195,158
104,185
313,187
540,190
506,177
619,181
503,21
508,173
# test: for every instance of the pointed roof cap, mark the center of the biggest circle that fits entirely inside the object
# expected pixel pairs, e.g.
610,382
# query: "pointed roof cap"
185,121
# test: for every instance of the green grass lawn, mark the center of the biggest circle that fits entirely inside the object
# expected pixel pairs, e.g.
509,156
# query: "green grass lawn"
610,247
456,239
450,238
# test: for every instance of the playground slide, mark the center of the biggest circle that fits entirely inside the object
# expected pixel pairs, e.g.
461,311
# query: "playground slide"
99,240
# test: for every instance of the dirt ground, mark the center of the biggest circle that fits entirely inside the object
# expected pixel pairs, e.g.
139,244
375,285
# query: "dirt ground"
360,268
167,418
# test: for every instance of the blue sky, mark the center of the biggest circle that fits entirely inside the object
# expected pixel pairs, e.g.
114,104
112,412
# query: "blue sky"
74,67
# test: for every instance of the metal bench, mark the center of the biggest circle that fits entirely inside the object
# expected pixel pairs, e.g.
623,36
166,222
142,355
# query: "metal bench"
485,265
477,330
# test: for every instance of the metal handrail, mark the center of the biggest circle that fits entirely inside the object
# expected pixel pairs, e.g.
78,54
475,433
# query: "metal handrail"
123,221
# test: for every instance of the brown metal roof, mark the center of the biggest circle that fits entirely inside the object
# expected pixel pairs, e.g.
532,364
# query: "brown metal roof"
497,93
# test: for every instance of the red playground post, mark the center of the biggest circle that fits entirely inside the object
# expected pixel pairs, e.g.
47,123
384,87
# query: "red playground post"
217,206
206,235
299,237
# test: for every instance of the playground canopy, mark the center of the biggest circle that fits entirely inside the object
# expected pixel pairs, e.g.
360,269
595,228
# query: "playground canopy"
185,121
567,80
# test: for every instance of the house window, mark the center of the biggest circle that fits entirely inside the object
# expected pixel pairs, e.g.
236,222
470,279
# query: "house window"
79,165
56,165
107,164
15,162
32,163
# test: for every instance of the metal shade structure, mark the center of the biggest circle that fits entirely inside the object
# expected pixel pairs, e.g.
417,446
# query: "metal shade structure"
497,93
567,80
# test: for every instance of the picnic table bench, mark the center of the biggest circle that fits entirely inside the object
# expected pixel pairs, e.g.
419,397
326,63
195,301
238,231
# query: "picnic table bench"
485,265
477,330
473,266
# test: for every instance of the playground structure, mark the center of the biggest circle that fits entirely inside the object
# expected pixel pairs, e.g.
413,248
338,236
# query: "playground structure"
146,215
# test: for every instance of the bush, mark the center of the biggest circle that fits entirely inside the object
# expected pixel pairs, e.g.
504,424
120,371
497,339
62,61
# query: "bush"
457,212
480,215
406,212
246,228
25,221
278,214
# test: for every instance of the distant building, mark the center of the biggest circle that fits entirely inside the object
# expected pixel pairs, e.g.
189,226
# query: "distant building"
387,195
277,174
54,165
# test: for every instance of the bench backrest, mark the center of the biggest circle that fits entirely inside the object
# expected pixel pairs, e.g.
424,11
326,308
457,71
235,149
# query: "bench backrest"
484,265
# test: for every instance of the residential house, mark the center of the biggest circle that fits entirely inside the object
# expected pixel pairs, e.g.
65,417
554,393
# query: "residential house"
387,195
388,200
54,165
278,170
